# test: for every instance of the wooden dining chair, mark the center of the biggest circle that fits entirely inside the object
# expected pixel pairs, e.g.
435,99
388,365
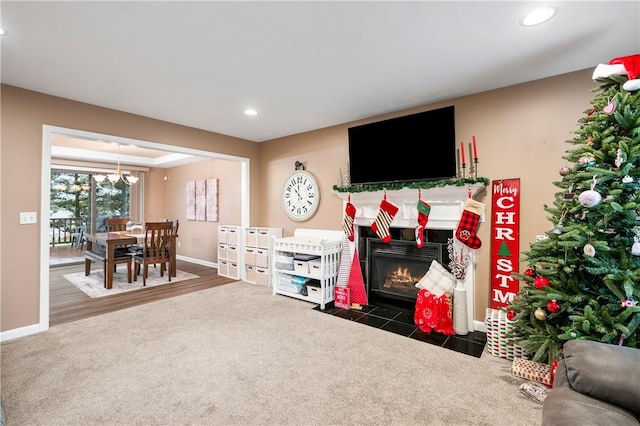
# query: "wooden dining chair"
99,255
156,250
117,224
173,248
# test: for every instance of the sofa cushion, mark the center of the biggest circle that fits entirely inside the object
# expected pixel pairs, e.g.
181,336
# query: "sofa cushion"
565,407
606,372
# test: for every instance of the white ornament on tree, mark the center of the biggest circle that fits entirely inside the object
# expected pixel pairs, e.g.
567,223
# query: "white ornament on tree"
590,197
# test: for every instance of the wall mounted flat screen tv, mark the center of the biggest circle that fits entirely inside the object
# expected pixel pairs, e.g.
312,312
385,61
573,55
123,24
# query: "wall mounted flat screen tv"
415,147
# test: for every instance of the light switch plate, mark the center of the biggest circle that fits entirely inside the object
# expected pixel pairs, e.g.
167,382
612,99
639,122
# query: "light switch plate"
28,217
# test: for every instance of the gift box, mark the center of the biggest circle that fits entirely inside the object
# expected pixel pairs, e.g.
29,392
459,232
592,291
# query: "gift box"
498,344
532,370
535,391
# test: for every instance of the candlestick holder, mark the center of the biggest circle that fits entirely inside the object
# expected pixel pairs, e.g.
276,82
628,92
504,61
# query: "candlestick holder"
475,167
464,166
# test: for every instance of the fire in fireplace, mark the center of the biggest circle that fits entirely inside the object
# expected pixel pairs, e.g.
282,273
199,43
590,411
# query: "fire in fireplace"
394,268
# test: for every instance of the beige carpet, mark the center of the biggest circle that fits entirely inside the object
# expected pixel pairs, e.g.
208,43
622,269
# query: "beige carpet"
93,284
238,355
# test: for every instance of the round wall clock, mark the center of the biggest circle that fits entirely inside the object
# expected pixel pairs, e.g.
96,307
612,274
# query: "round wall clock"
300,195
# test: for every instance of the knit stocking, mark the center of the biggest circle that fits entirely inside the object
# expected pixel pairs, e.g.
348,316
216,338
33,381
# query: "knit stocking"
469,221
423,217
445,320
385,216
349,215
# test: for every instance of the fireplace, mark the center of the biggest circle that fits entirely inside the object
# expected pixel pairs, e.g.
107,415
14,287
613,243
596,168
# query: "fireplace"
446,209
391,270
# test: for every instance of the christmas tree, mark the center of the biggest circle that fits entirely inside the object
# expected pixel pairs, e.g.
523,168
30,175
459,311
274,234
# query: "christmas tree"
583,278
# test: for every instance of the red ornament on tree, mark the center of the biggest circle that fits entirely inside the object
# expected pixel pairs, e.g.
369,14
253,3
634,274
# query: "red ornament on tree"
530,272
540,282
510,315
553,306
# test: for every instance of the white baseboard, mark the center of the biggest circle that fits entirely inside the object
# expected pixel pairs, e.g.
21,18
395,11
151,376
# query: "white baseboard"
479,326
197,261
21,332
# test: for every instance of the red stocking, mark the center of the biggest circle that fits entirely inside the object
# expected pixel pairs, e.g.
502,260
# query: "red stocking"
423,217
468,225
445,322
385,216
425,316
349,215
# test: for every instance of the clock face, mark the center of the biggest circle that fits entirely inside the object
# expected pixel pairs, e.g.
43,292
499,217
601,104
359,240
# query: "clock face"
300,195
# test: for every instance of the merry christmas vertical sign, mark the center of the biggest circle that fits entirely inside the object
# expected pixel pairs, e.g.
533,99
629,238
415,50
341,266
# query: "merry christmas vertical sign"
505,241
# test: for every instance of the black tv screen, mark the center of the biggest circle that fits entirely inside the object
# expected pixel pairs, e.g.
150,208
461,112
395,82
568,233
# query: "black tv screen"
415,147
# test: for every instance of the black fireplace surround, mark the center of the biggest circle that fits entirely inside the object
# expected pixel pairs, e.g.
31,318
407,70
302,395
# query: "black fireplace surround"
391,270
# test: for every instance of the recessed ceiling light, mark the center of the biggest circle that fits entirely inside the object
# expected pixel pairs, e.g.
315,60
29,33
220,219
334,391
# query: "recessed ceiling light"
250,111
538,16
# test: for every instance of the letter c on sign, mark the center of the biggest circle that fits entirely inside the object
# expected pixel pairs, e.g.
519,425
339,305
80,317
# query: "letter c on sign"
501,203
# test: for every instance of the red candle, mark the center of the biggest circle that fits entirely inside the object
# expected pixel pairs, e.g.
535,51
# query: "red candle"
475,151
462,152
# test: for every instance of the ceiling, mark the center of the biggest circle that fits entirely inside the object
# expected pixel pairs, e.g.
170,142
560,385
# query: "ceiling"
301,65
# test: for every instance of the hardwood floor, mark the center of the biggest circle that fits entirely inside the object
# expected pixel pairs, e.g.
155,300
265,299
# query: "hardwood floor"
67,303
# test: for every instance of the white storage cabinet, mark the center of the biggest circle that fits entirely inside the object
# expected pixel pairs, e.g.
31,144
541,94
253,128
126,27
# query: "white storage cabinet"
229,251
256,254
325,244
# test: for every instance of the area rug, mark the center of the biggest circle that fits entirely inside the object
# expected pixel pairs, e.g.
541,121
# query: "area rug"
93,284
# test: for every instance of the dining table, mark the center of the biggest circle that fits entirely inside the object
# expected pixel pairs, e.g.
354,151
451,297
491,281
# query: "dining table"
109,240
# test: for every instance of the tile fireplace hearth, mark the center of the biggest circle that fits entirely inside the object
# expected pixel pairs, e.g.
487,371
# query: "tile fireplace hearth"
399,320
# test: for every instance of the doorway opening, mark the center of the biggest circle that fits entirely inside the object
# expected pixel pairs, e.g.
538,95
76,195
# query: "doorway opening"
48,133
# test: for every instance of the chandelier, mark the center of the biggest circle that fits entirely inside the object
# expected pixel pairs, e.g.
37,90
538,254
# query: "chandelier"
116,176
74,187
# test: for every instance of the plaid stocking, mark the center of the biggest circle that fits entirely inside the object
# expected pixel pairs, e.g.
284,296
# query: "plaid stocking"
349,215
469,221
385,216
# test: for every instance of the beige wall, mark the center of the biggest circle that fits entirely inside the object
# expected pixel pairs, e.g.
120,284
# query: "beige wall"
520,130
198,240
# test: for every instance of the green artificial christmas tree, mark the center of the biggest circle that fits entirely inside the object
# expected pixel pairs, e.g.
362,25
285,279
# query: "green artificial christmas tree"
583,279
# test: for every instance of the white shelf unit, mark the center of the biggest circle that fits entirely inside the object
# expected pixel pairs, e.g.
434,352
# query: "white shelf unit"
325,244
229,251
256,254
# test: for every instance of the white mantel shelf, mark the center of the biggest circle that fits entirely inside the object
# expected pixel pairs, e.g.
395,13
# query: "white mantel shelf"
446,204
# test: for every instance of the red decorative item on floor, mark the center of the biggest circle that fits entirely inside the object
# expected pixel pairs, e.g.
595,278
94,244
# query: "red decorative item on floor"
433,313
341,298
356,283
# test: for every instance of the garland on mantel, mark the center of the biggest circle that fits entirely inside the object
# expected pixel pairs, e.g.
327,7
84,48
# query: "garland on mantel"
411,185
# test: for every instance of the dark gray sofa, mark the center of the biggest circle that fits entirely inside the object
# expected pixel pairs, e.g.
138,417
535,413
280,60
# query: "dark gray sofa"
3,416
595,384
